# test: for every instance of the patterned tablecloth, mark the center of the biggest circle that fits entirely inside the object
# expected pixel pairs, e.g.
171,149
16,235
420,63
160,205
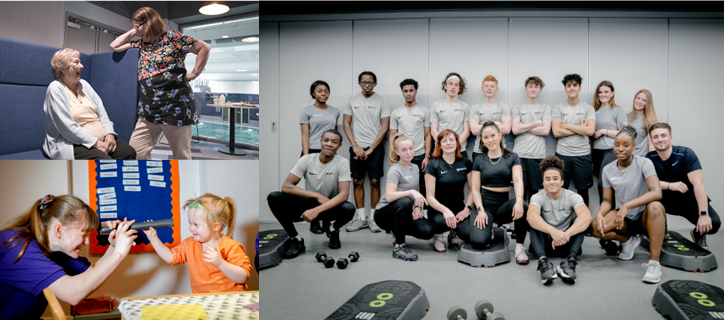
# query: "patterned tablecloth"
221,307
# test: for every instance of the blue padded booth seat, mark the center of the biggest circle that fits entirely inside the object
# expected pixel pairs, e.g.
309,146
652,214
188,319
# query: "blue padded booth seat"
25,74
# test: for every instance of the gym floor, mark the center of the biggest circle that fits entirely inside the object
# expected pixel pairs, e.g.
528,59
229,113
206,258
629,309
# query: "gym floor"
607,288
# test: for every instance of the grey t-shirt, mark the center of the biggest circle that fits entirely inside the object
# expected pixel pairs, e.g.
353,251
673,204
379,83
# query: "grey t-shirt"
319,120
366,115
412,123
405,179
573,145
608,119
629,183
322,178
487,112
450,116
642,138
528,145
560,212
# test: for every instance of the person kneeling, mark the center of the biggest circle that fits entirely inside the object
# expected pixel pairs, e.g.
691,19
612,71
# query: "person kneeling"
327,179
637,191
555,229
400,209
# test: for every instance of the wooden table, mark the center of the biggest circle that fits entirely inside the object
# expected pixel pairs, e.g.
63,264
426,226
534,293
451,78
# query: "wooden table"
131,306
232,127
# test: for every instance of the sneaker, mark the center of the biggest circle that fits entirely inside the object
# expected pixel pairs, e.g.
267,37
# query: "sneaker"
627,253
373,226
547,271
357,225
453,239
296,246
315,227
334,242
653,273
404,253
700,240
567,270
520,256
439,243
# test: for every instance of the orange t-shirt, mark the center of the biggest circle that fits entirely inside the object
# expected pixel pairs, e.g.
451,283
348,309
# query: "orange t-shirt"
205,277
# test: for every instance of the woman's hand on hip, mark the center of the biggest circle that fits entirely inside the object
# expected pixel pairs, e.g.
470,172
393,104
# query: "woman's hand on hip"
190,76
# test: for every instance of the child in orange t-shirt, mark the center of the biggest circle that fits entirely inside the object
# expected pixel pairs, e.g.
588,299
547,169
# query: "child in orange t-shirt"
217,263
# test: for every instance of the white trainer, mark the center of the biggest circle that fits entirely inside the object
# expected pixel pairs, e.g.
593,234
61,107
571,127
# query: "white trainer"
439,243
627,253
653,272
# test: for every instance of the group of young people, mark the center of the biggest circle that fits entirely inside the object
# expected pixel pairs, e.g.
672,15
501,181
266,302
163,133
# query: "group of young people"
641,175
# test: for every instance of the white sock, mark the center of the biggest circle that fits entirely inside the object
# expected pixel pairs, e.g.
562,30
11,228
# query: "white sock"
361,213
331,228
372,213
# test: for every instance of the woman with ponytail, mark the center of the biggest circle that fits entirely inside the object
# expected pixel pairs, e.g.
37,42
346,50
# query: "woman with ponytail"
400,208
217,263
636,211
493,173
41,249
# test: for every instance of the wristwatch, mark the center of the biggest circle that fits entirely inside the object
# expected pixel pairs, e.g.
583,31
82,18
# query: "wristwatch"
480,209
703,213
470,207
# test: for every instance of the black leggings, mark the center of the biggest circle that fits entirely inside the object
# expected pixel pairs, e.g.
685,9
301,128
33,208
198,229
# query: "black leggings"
397,217
690,211
542,244
439,225
600,159
288,208
499,210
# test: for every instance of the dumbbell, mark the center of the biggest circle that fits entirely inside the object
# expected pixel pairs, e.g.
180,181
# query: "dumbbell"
612,248
342,263
484,311
326,261
457,313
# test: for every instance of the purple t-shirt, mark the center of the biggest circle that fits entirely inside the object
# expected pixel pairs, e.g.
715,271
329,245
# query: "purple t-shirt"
22,283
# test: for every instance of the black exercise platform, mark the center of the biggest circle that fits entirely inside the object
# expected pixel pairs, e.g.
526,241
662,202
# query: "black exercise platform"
385,300
272,244
495,253
679,252
688,300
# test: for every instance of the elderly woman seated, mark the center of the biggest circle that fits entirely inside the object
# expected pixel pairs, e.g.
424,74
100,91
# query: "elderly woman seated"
76,124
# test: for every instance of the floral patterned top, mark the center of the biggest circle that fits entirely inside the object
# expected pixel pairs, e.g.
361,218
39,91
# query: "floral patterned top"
165,97
163,54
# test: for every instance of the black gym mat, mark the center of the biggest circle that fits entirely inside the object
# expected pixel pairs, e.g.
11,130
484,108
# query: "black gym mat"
272,244
678,244
382,300
686,299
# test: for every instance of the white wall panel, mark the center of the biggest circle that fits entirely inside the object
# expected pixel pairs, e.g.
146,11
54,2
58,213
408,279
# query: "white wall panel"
633,55
268,115
696,113
474,48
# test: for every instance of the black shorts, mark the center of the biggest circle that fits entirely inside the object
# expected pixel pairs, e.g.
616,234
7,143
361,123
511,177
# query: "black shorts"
578,170
532,177
372,166
635,227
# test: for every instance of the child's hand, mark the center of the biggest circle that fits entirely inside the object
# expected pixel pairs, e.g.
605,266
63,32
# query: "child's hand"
213,256
151,232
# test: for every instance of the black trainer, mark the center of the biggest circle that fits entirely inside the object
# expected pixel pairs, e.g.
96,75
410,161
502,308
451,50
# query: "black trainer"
567,270
315,227
334,242
699,239
547,271
296,246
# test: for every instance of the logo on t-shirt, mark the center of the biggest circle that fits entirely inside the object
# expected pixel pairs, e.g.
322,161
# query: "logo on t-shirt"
580,114
674,163
461,110
443,172
312,174
615,178
315,115
565,114
460,169
329,174
441,111
371,107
